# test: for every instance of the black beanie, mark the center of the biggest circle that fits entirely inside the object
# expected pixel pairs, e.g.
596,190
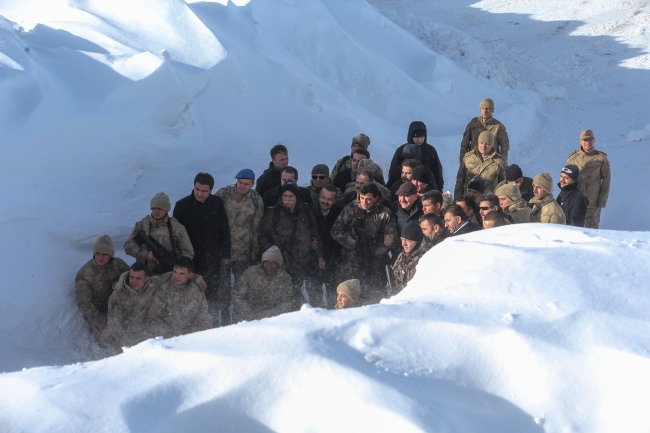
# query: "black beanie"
291,187
513,172
421,173
413,232
572,171
477,184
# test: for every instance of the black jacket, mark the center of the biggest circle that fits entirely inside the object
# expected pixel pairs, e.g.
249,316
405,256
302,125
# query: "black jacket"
272,196
331,248
468,228
402,218
574,204
207,227
269,179
429,159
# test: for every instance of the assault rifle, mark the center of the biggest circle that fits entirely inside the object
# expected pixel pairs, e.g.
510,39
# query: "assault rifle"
164,257
392,287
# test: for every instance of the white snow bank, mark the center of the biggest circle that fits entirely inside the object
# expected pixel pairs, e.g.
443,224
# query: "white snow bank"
527,328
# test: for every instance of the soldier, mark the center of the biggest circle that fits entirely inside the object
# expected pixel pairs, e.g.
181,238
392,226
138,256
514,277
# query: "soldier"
320,177
456,221
407,208
244,209
361,141
433,229
204,218
366,229
365,176
595,176
162,228
264,290
482,161
433,202
288,174
513,204
416,147
514,175
573,202
407,171
495,219
326,211
348,293
290,225
271,176
413,250
94,283
545,208
179,306
485,122
347,176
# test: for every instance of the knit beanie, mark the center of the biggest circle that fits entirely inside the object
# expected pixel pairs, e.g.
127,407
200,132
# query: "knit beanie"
477,184
486,137
320,169
587,133
421,174
509,190
363,140
487,103
351,289
412,231
545,181
161,201
513,172
273,254
572,171
291,187
104,245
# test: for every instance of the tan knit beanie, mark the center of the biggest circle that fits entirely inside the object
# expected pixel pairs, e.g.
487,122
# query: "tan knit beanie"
351,289
487,103
161,201
104,245
362,139
509,190
486,137
273,254
545,181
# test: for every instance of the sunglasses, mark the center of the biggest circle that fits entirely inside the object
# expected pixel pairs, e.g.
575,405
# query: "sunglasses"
485,207
587,139
319,177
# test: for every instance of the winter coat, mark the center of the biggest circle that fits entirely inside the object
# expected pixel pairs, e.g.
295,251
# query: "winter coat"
467,228
402,217
573,203
474,129
491,168
158,230
428,243
257,296
207,227
178,310
429,159
345,164
519,212
93,286
315,195
404,266
244,214
595,175
526,188
269,179
546,210
331,248
272,196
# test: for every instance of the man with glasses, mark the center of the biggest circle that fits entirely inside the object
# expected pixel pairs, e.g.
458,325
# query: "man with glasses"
320,176
594,176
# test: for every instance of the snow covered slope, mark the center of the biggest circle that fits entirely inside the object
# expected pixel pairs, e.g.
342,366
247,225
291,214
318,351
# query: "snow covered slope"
547,330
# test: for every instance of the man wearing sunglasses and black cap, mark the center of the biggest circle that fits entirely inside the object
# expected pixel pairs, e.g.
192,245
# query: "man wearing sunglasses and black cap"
320,176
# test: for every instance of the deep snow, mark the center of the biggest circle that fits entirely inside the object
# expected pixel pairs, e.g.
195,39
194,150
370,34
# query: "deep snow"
519,329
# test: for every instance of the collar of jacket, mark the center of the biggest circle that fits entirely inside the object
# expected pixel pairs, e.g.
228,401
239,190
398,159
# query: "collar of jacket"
546,200
374,208
155,222
570,187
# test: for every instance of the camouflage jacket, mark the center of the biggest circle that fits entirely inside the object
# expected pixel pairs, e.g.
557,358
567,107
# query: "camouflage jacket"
345,163
546,210
257,296
315,193
474,129
491,168
94,285
595,175
356,224
245,214
404,266
178,310
519,212
158,230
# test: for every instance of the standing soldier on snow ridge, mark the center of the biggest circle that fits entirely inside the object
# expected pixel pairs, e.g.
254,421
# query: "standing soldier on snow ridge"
485,122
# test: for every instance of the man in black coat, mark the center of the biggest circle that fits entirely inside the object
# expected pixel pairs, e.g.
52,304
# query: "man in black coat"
572,201
456,221
205,220
271,176
417,147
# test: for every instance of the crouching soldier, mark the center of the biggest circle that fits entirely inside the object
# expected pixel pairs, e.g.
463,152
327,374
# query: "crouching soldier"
165,230
179,306
348,293
94,284
264,290
414,249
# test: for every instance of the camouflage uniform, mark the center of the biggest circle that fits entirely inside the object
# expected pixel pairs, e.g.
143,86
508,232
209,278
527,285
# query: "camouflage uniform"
257,296
519,212
158,230
546,210
595,176
315,194
365,262
345,163
474,129
178,310
94,285
245,214
385,192
404,266
491,168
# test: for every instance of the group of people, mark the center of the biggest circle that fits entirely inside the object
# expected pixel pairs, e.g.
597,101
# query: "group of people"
244,253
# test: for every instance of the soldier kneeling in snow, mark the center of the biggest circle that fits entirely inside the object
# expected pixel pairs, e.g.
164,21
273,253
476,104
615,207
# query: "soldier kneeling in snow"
348,293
